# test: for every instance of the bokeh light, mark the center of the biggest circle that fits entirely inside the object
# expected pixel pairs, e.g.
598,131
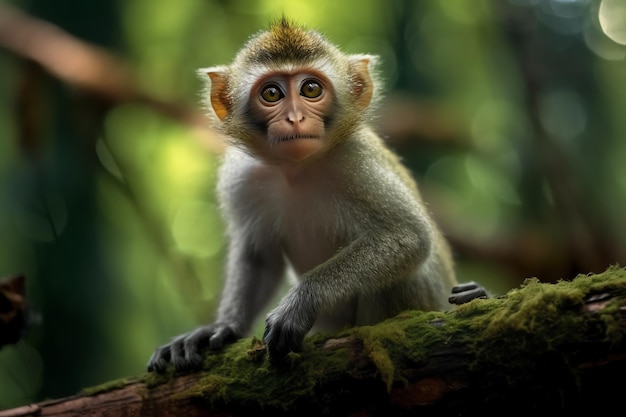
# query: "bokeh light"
612,15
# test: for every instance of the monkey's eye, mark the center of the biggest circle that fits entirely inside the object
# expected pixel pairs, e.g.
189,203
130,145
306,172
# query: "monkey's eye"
272,93
311,89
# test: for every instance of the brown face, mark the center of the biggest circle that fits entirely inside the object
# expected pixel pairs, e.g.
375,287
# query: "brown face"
291,109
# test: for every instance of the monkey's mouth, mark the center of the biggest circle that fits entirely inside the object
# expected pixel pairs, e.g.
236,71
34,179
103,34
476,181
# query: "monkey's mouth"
298,136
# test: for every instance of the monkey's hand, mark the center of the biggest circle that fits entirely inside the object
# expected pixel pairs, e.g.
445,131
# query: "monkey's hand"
184,351
287,324
466,292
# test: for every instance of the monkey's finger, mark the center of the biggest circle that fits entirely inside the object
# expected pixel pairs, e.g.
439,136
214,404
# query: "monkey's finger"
191,349
178,356
279,341
159,359
221,336
463,287
467,296
275,349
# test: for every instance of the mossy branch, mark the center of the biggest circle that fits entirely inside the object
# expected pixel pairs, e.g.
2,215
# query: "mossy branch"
555,348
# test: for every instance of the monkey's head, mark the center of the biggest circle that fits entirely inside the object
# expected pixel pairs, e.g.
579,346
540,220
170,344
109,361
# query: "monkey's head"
290,95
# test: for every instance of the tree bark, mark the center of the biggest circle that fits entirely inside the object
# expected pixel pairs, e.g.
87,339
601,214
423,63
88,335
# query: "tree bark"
552,348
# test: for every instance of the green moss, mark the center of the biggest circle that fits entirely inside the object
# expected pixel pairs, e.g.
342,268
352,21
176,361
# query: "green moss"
376,342
505,334
542,320
153,379
107,386
401,340
240,375
210,387
506,337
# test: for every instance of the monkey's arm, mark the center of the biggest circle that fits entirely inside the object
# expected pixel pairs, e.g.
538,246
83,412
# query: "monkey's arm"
252,278
253,275
374,261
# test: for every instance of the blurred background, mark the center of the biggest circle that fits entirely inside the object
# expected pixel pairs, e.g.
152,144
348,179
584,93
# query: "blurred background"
510,113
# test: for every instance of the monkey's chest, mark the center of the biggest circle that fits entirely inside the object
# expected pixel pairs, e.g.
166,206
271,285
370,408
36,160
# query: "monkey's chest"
309,226
310,238
306,213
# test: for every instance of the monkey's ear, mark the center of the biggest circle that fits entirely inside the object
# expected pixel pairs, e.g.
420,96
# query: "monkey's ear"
362,83
218,91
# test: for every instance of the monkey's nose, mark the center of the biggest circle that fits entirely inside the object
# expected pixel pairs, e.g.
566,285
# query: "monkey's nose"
295,117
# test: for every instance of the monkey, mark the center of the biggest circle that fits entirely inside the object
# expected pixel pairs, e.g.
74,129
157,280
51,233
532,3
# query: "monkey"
307,186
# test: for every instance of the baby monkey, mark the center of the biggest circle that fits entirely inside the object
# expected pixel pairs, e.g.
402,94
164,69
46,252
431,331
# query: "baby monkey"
307,185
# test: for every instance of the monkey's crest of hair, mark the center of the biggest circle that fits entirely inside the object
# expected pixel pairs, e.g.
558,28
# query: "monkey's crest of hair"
287,46
286,42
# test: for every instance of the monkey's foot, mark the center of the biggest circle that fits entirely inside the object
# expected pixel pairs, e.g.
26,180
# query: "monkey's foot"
466,292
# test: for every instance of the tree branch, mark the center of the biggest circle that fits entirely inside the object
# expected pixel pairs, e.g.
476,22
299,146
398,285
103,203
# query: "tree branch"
87,67
557,348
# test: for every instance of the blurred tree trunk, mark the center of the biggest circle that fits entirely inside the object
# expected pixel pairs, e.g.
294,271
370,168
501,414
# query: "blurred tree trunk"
56,193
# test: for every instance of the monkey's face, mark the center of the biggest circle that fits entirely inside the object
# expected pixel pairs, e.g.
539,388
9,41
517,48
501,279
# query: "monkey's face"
291,110
290,96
